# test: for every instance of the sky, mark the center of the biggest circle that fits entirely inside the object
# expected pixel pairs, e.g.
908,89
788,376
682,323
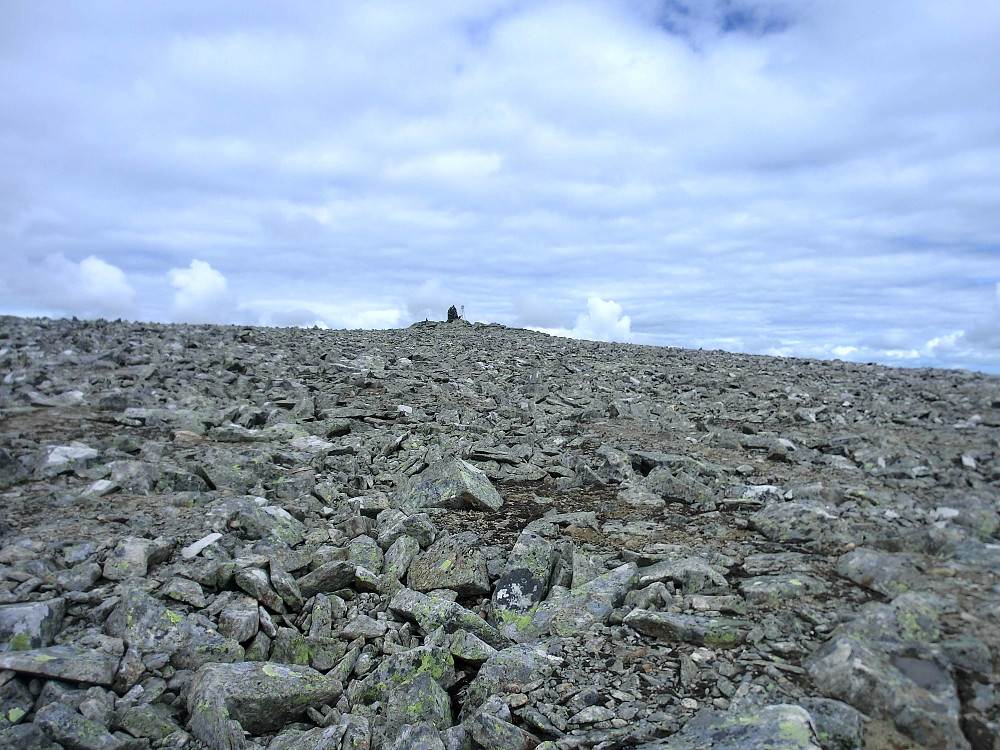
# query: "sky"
810,178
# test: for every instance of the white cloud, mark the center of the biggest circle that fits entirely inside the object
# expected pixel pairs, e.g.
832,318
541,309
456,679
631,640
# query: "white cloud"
430,300
202,294
603,321
89,288
803,178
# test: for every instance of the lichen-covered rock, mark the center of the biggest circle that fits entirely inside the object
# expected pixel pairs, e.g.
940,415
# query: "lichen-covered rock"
506,670
769,590
725,632
886,572
693,574
838,725
30,625
132,557
917,694
225,699
449,483
524,581
74,731
453,562
327,578
78,663
778,727
431,613
567,611
796,522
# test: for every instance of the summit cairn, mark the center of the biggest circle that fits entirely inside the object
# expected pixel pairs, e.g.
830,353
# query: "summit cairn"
453,314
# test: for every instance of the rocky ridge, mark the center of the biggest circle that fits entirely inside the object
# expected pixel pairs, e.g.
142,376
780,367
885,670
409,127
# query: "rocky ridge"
467,536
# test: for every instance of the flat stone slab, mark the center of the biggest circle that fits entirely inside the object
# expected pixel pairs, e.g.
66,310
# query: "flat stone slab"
702,631
65,663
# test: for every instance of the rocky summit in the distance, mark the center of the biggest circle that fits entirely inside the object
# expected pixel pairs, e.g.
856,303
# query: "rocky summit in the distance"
465,536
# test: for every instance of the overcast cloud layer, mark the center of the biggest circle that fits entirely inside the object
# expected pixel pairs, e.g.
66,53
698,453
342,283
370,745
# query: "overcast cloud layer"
795,177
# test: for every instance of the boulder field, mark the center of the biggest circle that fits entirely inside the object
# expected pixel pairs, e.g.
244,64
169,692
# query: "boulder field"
458,536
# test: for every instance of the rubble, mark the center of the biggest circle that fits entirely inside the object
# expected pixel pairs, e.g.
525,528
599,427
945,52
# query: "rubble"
467,536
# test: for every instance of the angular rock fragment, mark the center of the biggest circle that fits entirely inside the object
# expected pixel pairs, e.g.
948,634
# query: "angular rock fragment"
888,573
454,562
329,577
778,727
26,626
132,557
431,613
703,631
449,483
73,663
916,694
225,699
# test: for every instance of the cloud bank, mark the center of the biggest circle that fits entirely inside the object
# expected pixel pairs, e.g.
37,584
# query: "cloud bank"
809,179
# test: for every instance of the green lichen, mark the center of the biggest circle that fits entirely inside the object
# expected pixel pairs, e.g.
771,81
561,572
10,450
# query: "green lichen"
174,617
916,626
44,657
20,642
271,671
15,715
431,665
721,637
796,731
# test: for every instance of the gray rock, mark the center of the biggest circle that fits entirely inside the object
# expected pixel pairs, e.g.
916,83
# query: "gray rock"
490,728
75,663
363,626
725,632
449,483
770,590
190,640
567,611
838,726
778,727
364,551
327,578
524,581
415,699
25,626
400,671
132,557
506,670
16,701
917,695
419,736
27,737
225,699
431,613
885,572
239,619
393,524
185,591
400,555
12,471
454,562
253,519
54,460
74,731
796,522
693,574
256,582
284,583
